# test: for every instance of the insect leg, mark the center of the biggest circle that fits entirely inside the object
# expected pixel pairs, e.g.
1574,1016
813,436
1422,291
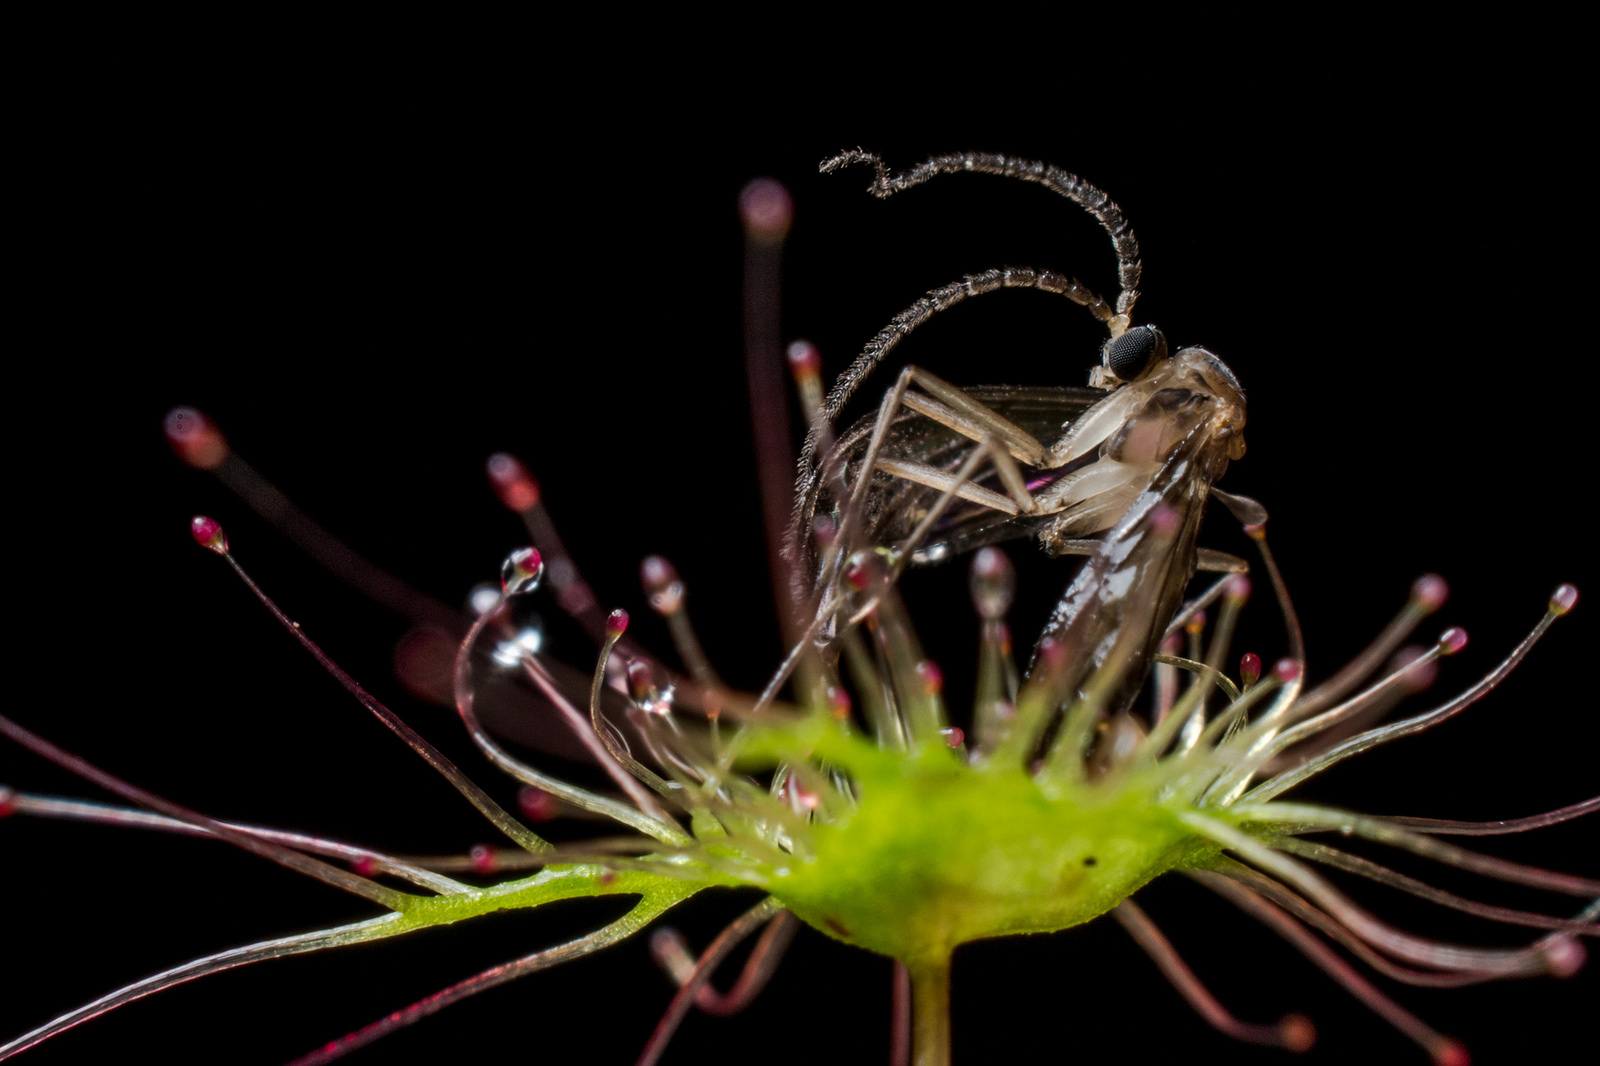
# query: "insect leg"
957,411
1207,559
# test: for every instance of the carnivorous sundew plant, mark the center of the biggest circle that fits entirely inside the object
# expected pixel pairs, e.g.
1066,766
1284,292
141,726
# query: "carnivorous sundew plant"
894,768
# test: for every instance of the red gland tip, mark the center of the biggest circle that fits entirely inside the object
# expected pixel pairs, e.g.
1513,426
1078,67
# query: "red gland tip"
1563,599
8,801
512,482
1297,1033
1430,592
1249,668
839,703
364,865
858,571
1286,670
953,736
805,361
1238,589
1449,1052
1452,640
932,677
766,210
521,572
483,859
617,622
537,805
195,438
208,534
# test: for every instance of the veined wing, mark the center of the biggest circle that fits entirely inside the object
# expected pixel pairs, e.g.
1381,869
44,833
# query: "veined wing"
894,506
1121,601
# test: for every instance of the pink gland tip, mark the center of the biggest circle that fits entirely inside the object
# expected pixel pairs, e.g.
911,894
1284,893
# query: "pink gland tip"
1238,588
667,944
208,534
512,482
1052,653
1430,592
1250,668
657,572
1564,956
617,622
766,209
1452,640
1563,599
953,736
483,859
662,586
1286,670
932,677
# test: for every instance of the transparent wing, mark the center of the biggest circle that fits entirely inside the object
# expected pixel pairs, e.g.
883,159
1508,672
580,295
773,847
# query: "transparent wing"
894,506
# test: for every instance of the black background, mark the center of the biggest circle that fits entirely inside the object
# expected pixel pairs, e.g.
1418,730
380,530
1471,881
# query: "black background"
374,280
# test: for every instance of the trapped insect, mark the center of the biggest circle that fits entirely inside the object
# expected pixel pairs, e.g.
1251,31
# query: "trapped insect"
993,1042
1147,447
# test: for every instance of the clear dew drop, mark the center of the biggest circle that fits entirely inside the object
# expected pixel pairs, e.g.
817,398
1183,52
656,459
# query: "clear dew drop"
482,598
992,583
662,585
647,695
527,642
521,572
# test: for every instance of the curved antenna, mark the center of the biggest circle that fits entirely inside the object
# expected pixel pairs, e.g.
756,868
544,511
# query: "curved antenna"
1061,182
947,296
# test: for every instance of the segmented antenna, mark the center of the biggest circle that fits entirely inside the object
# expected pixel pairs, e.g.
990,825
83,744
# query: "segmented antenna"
1058,181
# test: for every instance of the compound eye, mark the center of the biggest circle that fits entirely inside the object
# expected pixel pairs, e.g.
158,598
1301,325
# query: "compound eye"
1131,354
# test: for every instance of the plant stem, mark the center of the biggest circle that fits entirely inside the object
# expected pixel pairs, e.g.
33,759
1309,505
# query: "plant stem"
930,1012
